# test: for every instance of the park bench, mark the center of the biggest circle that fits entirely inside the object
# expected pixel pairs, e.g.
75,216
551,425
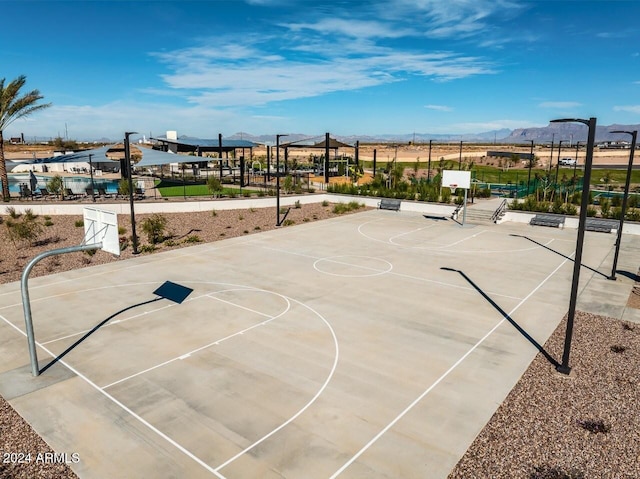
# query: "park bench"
547,220
601,225
389,204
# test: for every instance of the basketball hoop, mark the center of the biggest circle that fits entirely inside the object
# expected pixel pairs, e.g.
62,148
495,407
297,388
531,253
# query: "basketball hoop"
453,188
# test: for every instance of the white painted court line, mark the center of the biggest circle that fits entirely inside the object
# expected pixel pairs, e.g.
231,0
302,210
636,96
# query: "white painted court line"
442,248
462,240
158,258
129,318
426,280
306,406
125,408
213,343
446,373
409,232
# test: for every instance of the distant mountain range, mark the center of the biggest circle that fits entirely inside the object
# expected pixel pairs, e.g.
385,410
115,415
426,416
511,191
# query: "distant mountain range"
567,132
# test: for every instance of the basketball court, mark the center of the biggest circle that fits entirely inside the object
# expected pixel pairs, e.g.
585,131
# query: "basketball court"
372,345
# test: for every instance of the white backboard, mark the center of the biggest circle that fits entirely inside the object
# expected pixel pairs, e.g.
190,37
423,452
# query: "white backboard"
456,178
101,226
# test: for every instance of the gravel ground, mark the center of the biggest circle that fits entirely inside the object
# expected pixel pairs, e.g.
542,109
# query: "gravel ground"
552,426
549,427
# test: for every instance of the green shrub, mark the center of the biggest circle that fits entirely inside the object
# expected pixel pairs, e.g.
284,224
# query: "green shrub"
147,248
297,204
616,201
154,227
616,212
170,243
55,185
591,211
445,195
484,193
25,230
11,211
557,207
325,203
30,216
123,187
605,207
193,239
122,230
570,209
79,223
288,222
633,214
576,197
214,186
48,223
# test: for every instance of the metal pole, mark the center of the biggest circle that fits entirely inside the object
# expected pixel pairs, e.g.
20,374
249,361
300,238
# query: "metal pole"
26,304
575,165
634,135
93,188
551,155
530,164
429,163
460,157
375,153
591,123
220,154
278,179
127,157
558,163
326,157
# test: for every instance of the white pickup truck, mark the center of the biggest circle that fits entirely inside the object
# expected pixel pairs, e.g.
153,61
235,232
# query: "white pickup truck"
567,162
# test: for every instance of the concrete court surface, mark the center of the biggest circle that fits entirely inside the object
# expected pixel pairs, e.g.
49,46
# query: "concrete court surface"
333,349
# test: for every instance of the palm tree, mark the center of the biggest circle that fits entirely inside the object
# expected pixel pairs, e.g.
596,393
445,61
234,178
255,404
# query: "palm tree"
12,107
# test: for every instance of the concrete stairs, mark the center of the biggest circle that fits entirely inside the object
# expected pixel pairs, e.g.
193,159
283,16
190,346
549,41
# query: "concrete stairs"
477,216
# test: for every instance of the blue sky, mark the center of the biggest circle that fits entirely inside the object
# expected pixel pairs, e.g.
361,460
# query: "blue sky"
347,67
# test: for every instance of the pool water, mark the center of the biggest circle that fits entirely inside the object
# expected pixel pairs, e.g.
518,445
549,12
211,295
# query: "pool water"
76,184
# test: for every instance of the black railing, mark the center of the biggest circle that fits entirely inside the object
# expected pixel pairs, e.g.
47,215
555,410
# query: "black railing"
498,212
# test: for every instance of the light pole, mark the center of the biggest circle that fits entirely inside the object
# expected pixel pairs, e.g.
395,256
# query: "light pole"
553,139
634,135
460,157
429,163
591,123
93,188
530,164
558,162
127,157
278,223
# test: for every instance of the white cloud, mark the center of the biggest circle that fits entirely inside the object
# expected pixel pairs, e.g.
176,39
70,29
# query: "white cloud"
257,77
439,107
559,104
353,28
452,18
628,108
113,119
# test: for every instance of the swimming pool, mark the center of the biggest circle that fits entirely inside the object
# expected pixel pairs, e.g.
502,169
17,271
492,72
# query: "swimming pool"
77,184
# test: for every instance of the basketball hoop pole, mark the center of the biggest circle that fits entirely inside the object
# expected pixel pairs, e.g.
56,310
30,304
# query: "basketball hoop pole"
26,305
